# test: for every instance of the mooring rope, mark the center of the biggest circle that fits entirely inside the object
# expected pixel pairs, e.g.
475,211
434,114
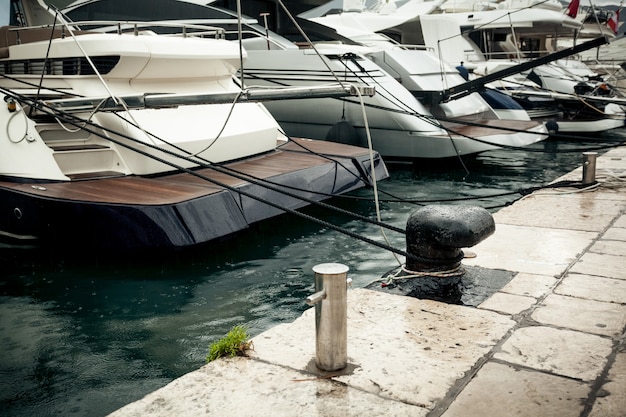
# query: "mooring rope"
392,279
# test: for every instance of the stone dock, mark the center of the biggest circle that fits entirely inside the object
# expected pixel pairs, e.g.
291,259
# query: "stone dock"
551,342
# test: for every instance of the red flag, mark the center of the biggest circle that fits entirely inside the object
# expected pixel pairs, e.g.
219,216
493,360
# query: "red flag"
572,8
613,22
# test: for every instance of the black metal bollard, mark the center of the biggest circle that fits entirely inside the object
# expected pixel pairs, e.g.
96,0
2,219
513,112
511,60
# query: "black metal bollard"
435,235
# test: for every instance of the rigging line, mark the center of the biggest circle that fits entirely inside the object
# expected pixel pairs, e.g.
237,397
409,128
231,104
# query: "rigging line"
91,115
458,154
373,171
517,51
429,119
342,60
250,177
521,191
392,98
56,90
556,135
89,61
595,15
436,122
297,25
219,134
388,94
45,62
75,121
311,151
409,111
249,195
400,102
432,120
397,199
240,35
275,187
326,157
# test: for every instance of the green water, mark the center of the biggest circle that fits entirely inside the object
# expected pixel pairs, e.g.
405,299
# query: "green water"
84,334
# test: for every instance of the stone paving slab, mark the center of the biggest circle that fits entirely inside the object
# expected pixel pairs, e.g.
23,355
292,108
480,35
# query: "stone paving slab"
401,348
500,390
581,314
508,303
620,222
241,387
611,401
532,250
610,247
531,285
561,352
404,354
593,288
616,233
601,265
581,211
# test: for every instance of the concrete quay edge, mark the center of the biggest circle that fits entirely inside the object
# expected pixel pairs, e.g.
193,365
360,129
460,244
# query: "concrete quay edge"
551,342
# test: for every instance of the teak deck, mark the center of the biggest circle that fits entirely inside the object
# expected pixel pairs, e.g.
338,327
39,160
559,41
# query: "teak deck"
180,209
177,187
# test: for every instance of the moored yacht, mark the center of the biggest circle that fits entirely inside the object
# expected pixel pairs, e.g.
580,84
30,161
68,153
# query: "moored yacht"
136,140
518,31
487,37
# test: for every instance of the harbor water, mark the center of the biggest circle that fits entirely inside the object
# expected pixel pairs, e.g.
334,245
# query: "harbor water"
84,333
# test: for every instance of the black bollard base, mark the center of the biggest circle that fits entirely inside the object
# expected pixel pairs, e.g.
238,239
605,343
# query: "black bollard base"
470,289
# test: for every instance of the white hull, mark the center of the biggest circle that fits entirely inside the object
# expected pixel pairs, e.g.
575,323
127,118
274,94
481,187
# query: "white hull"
141,65
401,144
400,126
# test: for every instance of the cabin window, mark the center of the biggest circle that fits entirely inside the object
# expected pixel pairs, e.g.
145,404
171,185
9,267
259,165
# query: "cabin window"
143,10
65,66
531,46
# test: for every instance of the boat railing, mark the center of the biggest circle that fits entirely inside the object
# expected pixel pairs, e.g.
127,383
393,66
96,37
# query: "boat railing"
252,36
166,28
17,35
520,54
415,47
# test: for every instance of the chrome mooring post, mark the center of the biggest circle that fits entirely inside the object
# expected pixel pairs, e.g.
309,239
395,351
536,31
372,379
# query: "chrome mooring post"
589,167
331,316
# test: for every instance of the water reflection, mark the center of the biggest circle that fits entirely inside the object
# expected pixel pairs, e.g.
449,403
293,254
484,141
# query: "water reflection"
86,333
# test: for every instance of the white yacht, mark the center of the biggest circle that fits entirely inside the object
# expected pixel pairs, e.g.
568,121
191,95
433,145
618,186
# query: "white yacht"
486,37
136,140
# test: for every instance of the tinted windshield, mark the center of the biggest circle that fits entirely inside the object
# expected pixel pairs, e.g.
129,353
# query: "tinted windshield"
144,10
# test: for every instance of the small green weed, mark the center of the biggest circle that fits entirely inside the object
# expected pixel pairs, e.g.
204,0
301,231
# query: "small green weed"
235,343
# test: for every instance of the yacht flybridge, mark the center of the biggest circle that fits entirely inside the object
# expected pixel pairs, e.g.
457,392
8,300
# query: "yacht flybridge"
136,140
